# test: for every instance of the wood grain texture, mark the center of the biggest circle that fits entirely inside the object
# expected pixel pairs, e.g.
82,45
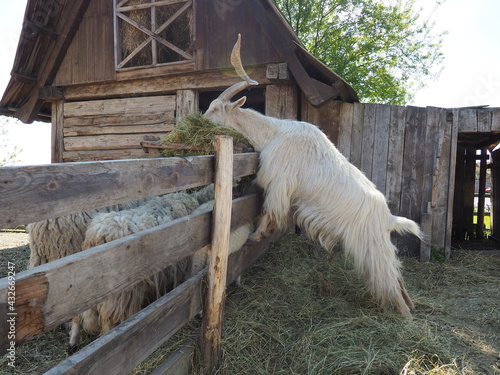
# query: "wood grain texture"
124,347
34,193
213,308
54,292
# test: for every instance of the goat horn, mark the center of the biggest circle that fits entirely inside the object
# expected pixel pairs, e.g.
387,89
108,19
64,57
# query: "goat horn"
236,62
238,66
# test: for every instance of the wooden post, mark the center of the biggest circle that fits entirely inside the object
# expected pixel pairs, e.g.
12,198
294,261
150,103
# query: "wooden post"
57,136
482,194
217,270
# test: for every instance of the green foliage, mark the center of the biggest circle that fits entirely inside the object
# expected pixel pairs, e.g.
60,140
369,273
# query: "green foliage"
385,51
7,157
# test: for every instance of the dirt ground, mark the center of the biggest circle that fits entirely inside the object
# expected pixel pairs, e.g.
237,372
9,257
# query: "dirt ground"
14,248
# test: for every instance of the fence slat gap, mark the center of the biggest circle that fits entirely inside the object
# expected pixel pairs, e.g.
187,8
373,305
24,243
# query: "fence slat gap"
217,271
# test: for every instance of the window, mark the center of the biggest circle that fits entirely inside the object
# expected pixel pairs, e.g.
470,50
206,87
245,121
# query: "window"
153,32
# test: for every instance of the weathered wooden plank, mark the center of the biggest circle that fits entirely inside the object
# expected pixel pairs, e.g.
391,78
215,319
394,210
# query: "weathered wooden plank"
179,362
330,111
79,156
76,131
441,177
410,206
484,120
451,185
326,117
213,308
429,146
166,117
173,68
467,120
187,102
381,147
308,112
138,336
149,82
34,193
495,120
82,63
52,293
357,133
425,247
394,158
106,141
368,140
121,107
57,136
282,101
345,128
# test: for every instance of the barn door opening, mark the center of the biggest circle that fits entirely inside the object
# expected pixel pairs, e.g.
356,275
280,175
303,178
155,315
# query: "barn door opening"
475,188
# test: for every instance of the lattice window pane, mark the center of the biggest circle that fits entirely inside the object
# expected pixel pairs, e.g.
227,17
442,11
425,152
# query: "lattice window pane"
153,32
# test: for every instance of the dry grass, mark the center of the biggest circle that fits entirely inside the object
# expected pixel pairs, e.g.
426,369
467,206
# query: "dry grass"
297,312
197,130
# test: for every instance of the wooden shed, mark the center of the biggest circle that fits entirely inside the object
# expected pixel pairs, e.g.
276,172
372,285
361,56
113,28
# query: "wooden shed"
109,74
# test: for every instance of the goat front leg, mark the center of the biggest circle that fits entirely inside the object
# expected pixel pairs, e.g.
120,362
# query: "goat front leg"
266,227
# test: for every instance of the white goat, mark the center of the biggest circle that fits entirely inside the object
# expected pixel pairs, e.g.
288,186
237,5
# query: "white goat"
302,172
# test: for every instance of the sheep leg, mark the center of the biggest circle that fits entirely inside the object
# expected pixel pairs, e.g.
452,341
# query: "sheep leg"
74,335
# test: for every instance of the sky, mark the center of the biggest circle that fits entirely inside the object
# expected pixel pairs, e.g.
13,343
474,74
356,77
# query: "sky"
470,77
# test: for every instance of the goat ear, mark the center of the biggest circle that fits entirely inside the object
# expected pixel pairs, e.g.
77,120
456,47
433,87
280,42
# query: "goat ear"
239,102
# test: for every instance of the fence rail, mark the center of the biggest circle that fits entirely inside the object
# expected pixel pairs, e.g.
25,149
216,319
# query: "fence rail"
53,293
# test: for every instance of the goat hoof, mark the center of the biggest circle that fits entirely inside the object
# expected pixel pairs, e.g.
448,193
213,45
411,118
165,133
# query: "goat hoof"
254,238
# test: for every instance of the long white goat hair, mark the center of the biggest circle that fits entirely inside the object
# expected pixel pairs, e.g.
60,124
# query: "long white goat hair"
302,172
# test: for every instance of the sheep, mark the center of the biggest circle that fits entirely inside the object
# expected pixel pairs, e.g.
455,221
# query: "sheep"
106,227
302,172
53,239
56,238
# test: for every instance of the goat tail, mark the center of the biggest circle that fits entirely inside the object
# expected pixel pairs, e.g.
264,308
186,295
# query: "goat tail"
402,225
374,259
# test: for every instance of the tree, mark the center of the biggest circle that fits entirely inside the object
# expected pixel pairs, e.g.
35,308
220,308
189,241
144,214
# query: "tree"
385,51
7,157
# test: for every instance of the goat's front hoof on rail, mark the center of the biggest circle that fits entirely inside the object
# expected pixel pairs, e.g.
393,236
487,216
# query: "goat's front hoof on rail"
255,237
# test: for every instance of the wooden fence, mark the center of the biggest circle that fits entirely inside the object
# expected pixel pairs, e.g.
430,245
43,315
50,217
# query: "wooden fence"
51,294
410,153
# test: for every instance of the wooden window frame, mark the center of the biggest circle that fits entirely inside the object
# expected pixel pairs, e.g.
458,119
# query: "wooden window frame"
154,36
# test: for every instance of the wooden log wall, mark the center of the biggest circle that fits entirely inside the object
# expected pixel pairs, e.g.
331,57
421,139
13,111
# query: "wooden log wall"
410,153
113,128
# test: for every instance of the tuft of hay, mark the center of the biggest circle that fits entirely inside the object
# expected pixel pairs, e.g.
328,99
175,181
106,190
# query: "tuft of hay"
198,131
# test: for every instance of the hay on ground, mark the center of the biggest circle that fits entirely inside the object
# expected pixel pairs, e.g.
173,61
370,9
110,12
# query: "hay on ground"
297,312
